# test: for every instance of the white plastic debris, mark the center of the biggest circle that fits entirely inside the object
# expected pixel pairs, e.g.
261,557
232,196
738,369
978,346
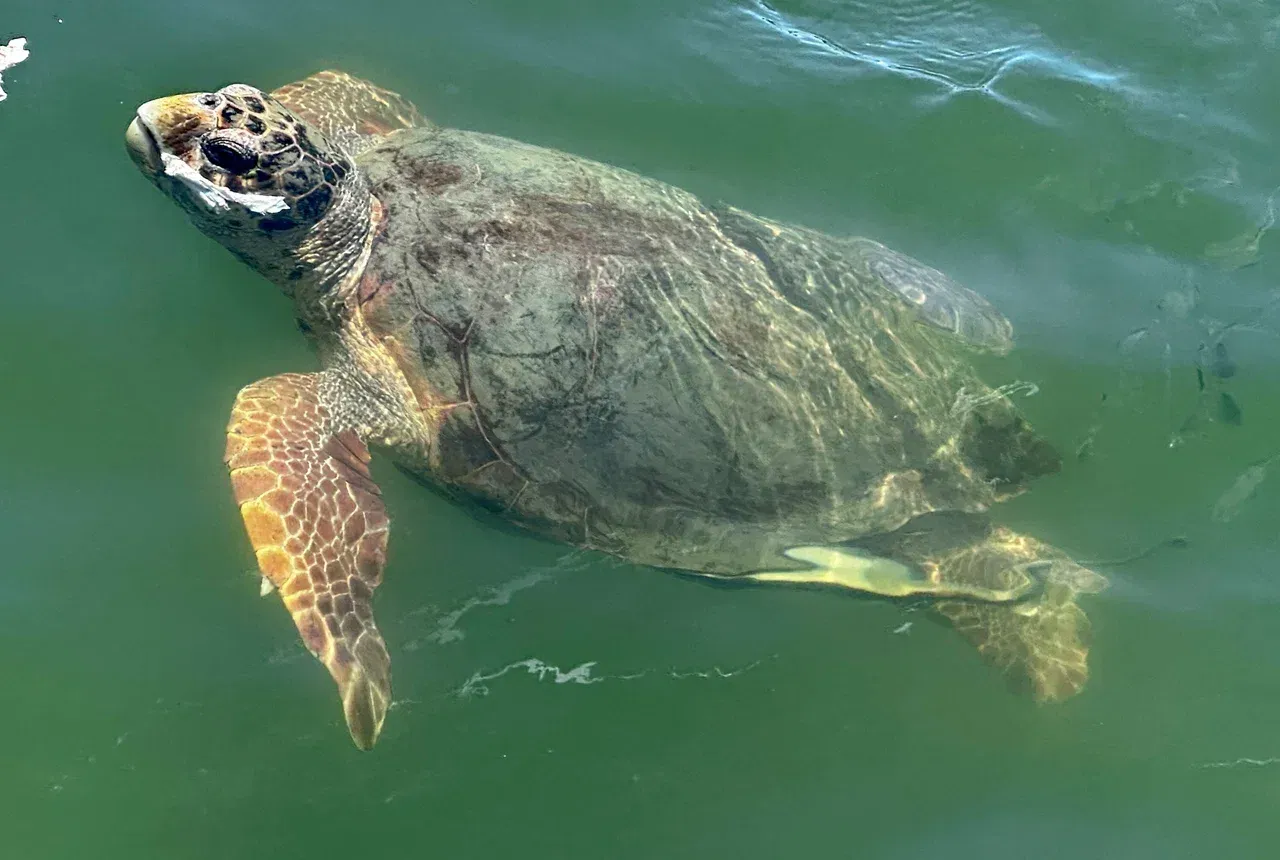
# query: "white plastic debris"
10,55
215,196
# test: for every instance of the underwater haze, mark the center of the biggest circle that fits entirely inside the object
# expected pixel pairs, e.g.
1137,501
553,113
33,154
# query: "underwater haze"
1105,172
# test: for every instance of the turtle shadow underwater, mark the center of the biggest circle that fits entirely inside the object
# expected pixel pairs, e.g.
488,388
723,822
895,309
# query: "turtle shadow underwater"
603,360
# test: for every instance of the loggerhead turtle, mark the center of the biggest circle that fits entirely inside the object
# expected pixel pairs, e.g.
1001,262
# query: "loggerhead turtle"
607,361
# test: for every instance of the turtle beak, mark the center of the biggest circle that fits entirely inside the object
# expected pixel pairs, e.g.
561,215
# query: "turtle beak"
172,124
143,147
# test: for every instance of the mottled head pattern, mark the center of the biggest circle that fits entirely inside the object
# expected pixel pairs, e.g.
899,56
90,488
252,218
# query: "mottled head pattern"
255,177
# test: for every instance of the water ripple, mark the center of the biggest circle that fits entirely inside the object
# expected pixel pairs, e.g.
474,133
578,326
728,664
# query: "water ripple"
960,50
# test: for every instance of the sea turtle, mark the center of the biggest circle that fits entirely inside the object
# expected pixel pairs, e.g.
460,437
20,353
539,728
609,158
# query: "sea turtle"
607,361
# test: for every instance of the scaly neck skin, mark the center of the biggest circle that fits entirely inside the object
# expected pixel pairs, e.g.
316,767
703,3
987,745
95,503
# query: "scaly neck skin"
331,256
366,388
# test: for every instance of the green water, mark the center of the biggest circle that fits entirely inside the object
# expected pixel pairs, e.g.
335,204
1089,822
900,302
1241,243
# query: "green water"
1083,164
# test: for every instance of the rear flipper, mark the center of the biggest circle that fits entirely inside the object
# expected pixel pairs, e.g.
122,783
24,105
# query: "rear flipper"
1040,644
1010,595
850,567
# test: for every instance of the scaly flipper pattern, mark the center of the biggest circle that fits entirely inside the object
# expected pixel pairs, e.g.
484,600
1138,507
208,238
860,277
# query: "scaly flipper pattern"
1041,644
319,529
348,111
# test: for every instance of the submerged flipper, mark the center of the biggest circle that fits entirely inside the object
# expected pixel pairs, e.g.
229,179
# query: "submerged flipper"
1010,595
348,111
1040,643
850,567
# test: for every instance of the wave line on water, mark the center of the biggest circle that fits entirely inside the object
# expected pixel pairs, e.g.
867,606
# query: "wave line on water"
446,624
447,630
477,685
1240,762
583,673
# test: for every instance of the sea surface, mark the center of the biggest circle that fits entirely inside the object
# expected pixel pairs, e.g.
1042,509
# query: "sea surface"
1105,172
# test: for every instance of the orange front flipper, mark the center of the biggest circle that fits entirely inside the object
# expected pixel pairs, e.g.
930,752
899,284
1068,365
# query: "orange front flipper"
319,529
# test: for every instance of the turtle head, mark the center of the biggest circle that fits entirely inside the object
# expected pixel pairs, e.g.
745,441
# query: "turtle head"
253,176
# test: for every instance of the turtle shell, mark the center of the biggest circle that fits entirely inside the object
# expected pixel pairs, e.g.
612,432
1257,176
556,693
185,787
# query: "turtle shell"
684,385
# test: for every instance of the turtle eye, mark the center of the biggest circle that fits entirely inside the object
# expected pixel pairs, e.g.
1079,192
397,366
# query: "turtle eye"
208,100
229,154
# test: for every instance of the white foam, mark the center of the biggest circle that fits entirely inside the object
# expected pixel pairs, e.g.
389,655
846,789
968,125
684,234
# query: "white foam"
215,196
584,673
10,55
